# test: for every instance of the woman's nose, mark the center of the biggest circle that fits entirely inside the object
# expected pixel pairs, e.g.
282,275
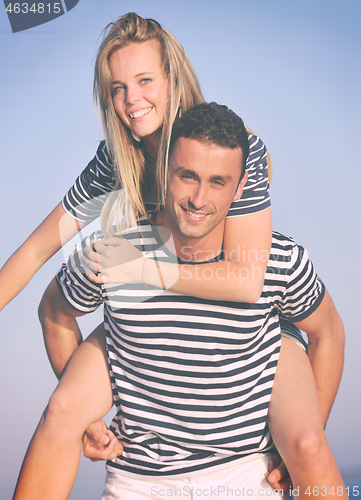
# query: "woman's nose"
132,94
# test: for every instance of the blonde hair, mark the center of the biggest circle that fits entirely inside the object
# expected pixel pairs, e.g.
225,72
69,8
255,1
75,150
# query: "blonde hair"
126,202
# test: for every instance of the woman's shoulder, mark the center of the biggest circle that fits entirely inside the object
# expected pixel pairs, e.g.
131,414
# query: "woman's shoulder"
255,197
86,197
257,148
103,157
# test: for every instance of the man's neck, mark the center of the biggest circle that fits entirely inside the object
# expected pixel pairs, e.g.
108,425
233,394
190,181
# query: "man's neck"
194,250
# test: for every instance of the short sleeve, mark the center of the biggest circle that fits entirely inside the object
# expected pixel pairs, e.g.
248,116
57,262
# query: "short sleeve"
255,196
81,293
304,290
85,199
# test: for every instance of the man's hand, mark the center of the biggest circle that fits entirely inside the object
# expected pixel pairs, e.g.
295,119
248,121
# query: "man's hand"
99,443
278,476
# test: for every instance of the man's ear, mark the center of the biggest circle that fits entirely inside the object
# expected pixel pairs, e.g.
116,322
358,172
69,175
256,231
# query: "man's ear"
241,185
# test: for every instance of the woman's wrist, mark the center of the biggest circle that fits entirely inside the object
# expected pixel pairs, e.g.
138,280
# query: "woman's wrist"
159,274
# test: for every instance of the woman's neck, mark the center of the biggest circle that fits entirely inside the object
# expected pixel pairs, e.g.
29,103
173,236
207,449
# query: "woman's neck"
150,192
151,144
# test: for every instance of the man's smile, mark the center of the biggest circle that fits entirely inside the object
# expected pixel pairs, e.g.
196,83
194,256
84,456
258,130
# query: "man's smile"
195,215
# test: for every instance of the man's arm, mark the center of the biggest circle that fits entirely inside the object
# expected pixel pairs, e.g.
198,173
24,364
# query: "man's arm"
60,328
326,340
62,336
325,350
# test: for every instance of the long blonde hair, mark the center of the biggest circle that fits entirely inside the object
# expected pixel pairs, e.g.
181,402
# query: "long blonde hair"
126,202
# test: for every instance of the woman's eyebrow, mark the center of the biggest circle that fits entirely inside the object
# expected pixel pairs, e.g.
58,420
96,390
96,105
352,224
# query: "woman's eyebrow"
137,75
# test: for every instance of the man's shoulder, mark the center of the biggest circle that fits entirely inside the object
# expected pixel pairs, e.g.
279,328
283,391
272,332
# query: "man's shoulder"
284,249
281,240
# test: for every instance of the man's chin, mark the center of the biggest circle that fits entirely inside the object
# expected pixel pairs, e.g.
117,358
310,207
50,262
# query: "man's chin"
194,233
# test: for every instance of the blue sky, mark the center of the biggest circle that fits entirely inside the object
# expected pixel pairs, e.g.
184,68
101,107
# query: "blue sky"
291,69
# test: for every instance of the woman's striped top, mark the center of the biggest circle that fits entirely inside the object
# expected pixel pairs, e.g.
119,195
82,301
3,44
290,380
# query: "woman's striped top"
85,199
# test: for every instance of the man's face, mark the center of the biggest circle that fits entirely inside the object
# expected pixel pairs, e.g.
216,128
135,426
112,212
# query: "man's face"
202,183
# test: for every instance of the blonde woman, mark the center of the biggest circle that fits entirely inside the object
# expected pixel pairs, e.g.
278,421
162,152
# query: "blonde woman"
143,82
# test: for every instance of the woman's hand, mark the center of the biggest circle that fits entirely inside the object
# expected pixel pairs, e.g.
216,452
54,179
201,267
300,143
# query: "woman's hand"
115,259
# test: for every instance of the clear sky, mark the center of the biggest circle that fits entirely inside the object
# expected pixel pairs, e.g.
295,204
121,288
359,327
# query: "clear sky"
291,69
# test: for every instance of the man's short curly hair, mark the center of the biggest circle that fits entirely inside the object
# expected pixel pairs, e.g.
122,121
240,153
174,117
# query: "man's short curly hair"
212,123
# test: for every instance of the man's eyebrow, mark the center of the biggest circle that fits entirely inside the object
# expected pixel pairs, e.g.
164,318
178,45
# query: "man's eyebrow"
184,170
223,178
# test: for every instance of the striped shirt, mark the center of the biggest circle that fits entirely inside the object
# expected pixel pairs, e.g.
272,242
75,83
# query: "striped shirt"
85,199
192,378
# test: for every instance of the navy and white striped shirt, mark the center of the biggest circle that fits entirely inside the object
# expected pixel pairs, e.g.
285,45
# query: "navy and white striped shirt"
85,199
192,378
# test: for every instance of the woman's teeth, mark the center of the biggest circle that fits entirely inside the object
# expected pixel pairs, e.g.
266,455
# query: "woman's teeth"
139,114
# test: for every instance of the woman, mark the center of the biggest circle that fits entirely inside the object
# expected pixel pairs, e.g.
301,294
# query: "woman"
143,81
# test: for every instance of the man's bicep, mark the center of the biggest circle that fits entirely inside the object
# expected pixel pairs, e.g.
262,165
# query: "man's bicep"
322,323
53,304
303,290
75,286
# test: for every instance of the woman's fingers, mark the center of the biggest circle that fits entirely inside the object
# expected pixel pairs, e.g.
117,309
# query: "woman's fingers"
114,241
95,278
113,260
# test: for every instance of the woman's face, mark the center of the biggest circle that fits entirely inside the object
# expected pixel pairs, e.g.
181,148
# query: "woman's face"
139,87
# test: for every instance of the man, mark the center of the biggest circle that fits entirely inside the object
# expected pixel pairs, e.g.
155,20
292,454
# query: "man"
192,378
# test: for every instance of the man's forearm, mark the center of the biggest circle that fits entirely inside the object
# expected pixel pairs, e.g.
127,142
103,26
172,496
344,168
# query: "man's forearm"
326,357
60,328
326,338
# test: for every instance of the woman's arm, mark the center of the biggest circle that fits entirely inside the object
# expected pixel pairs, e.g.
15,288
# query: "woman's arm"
85,199
240,277
58,228
247,243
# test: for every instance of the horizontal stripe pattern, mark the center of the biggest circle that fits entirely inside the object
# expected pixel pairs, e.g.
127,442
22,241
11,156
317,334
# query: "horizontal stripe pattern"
85,199
192,378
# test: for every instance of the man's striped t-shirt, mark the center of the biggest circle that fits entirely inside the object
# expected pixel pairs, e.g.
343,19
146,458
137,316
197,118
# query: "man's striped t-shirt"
192,378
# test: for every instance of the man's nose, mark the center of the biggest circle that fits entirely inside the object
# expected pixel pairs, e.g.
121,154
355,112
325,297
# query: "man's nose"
199,197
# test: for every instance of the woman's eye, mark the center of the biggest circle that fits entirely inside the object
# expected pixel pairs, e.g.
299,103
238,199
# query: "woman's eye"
118,88
146,80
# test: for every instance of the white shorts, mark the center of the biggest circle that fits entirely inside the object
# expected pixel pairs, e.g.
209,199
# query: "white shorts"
238,482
